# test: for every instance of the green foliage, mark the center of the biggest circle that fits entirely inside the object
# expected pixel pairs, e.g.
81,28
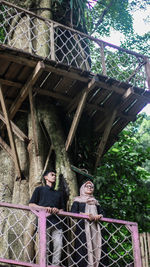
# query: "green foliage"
122,183
138,43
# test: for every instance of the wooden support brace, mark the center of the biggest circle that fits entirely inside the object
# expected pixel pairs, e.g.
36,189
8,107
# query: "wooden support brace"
35,138
25,90
104,139
10,134
78,113
16,130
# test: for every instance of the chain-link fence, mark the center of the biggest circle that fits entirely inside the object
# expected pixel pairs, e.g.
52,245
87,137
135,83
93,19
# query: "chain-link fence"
31,237
24,30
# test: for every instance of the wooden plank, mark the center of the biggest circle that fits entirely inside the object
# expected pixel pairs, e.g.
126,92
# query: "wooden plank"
142,250
12,71
104,139
3,66
24,91
32,109
10,134
146,250
16,130
78,113
6,147
64,83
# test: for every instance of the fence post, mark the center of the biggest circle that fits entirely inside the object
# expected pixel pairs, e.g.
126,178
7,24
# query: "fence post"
52,42
147,69
104,70
42,238
136,246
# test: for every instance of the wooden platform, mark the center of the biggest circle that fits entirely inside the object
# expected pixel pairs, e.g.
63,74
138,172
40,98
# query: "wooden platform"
108,103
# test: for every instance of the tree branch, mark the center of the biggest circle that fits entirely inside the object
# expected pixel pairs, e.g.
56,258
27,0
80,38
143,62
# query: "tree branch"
105,11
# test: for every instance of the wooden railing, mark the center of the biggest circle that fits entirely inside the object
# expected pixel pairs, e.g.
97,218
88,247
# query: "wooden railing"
25,30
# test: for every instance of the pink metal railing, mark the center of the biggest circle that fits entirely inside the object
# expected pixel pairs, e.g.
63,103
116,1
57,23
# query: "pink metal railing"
22,245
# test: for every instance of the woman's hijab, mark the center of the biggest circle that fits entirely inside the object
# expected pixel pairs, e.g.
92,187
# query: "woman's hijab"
84,197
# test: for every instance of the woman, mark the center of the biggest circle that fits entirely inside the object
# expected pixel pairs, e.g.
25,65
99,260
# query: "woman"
88,234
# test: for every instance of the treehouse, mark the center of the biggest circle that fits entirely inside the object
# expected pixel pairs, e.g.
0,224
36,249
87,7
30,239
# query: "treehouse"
86,78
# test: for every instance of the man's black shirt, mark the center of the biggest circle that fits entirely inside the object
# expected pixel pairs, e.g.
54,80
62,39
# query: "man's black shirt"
46,196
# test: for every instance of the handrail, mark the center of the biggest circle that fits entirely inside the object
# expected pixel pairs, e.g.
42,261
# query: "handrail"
75,31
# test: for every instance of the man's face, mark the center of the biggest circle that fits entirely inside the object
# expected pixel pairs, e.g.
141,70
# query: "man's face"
51,177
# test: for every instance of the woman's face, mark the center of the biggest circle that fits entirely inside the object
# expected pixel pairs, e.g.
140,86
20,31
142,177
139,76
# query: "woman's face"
89,188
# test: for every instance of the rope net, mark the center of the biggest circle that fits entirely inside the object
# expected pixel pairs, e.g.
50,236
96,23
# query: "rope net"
28,32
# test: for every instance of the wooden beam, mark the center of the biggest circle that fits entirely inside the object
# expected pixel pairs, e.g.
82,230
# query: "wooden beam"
104,139
10,134
78,113
32,109
52,94
6,147
25,89
16,130
10,83
31,62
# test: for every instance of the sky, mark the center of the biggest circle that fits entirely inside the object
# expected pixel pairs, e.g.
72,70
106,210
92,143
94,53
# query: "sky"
140,26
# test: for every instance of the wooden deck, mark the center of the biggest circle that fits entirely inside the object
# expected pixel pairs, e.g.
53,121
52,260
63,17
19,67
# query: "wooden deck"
77,91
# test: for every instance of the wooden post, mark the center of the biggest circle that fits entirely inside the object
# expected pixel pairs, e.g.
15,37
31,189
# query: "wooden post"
147,69
104,71
35,139
52,44
25,89
10,134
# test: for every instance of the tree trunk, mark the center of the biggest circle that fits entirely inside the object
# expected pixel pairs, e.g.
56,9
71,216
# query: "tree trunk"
33,156
31,161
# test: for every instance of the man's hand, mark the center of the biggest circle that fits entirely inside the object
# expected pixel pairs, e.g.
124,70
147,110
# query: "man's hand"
51,210
48,209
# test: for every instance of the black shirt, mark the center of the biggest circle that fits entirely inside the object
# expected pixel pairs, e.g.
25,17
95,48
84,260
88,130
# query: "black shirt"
46,196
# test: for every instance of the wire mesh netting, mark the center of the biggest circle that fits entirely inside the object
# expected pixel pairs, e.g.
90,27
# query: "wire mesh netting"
24,30
18,235
69,241
105,244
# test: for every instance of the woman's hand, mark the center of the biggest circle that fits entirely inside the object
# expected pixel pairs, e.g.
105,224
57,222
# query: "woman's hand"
95,217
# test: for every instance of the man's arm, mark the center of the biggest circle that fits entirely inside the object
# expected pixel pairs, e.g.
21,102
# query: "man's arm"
47,209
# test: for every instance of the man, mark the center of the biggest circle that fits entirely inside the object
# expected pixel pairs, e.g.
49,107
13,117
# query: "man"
47,198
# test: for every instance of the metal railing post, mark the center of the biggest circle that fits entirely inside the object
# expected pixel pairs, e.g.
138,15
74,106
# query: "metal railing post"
42,238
